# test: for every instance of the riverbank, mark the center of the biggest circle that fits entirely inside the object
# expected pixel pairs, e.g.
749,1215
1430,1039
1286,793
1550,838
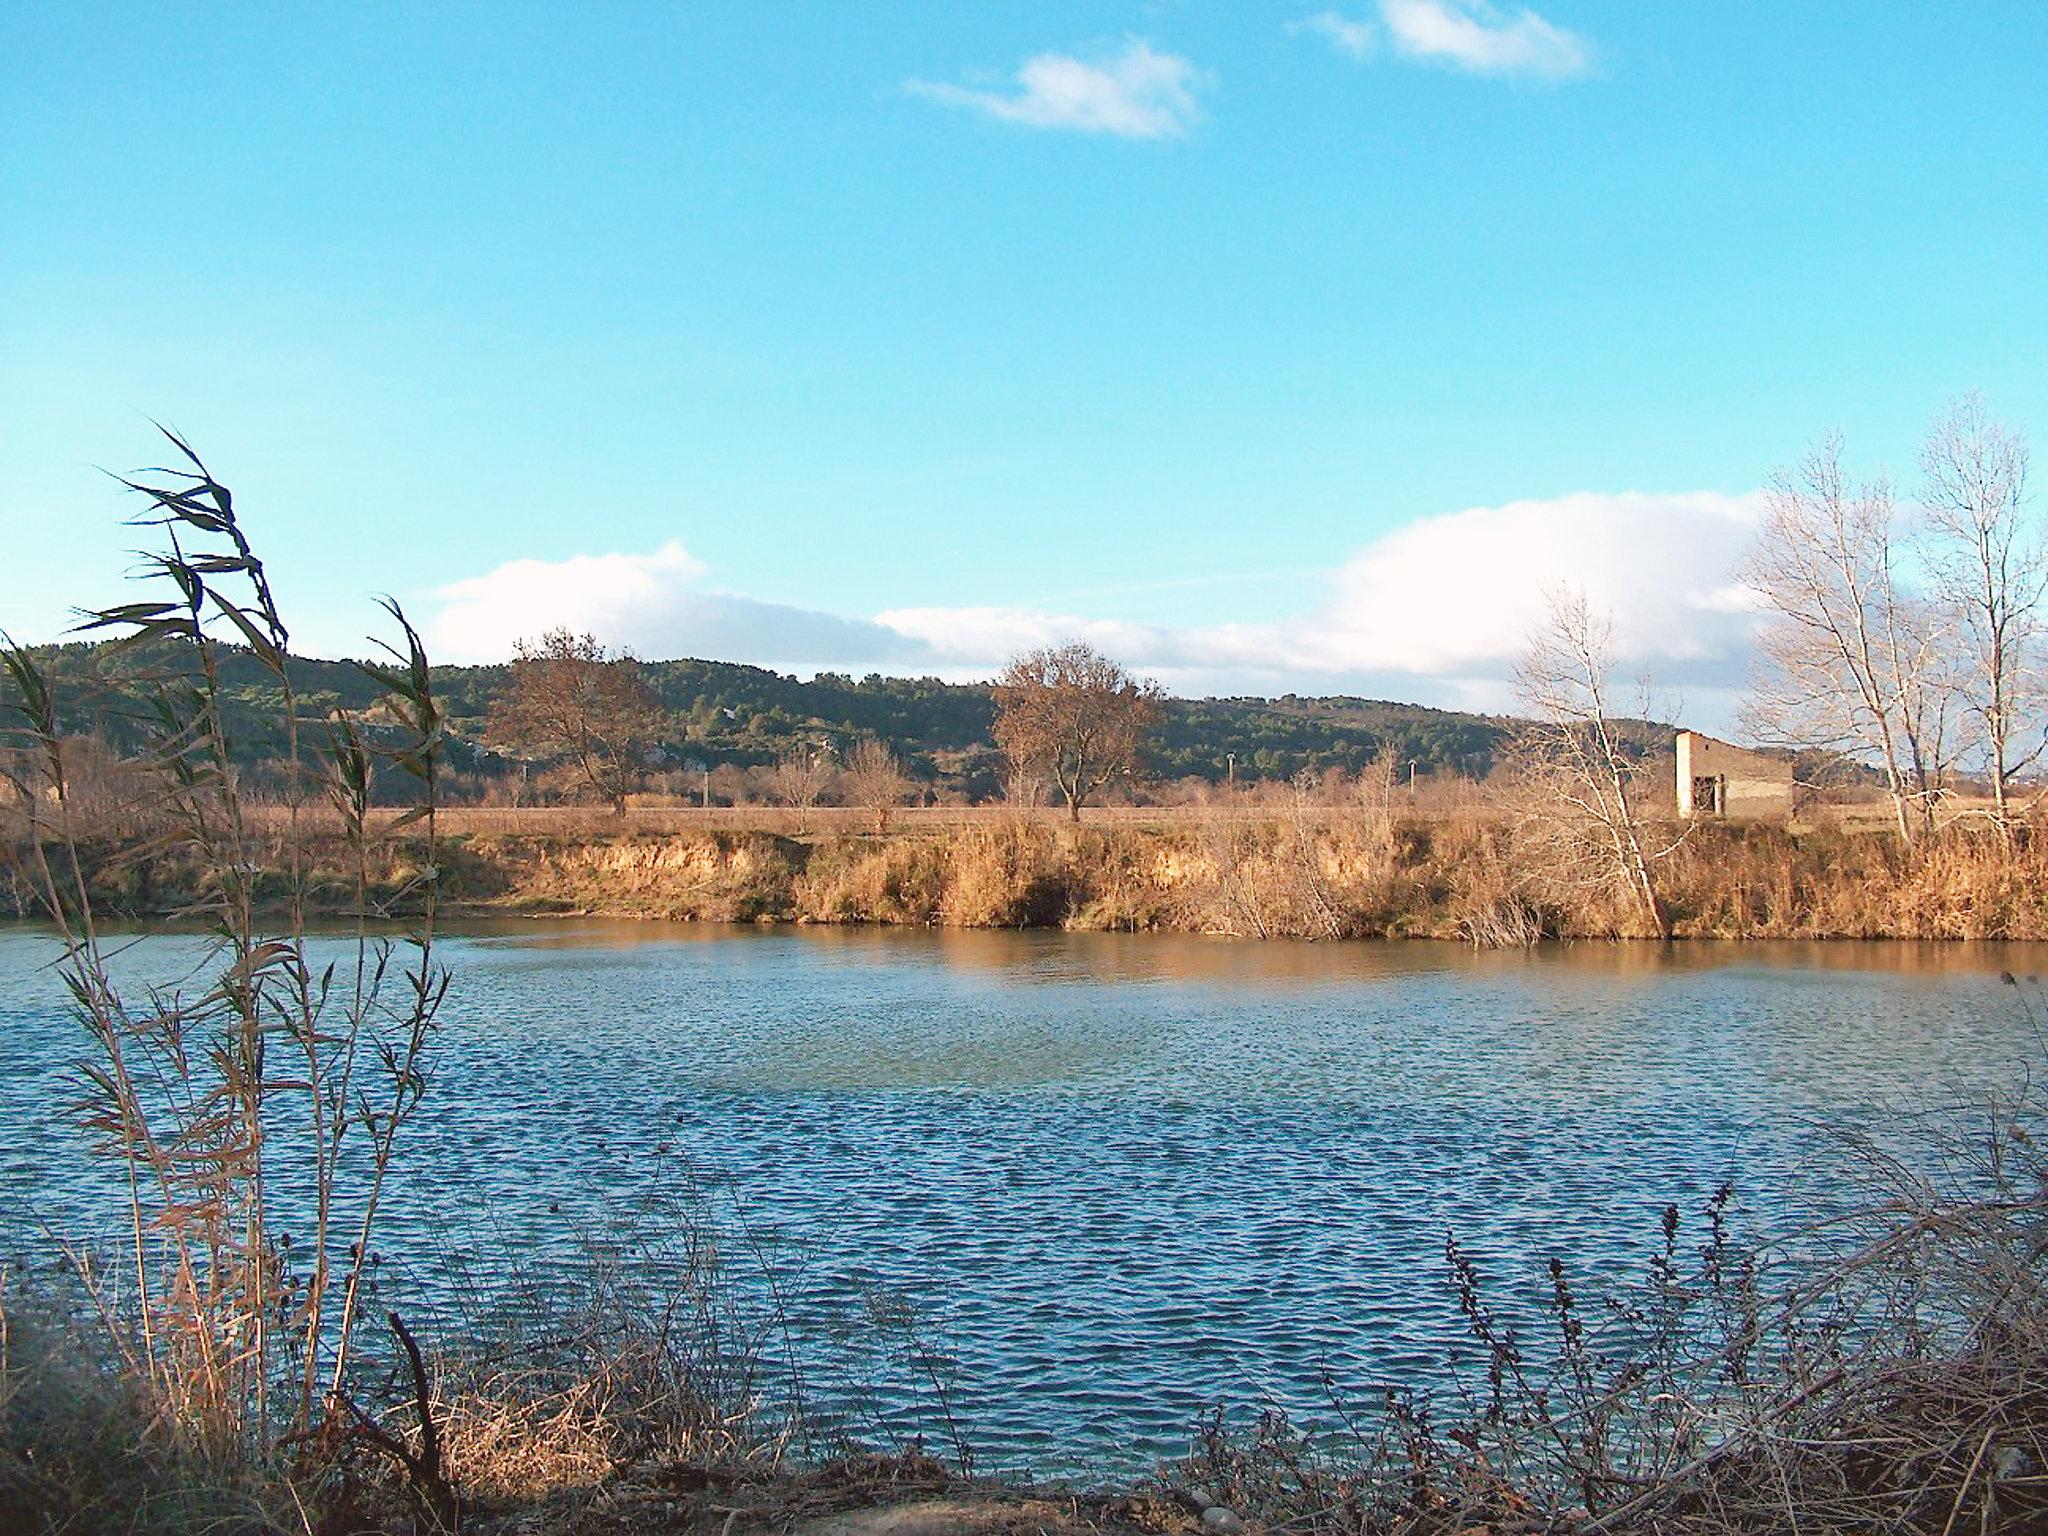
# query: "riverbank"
1359,877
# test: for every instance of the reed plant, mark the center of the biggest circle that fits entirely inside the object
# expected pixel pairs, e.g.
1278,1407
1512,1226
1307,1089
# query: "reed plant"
251,1110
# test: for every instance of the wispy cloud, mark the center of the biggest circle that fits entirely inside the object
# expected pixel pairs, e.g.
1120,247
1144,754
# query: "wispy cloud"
1137,94
1483,39
1357,38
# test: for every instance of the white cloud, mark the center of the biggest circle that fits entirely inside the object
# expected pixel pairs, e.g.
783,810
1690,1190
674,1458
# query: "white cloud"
650,604
1456,595
1439,610
1138,94
484,615
1357,38
1479,37
1434,612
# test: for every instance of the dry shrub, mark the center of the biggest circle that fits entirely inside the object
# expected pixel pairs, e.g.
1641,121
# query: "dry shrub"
1365,835
1967,884
1302,873
1733,881
663,1346
864,880
84,1449
1225,895
70,1441
619,1380
1016,874
1117,885
1727,880
108,799
1486,896
1507,920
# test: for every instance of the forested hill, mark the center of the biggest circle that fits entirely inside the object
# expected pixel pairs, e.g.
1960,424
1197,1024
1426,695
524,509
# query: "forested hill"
724,712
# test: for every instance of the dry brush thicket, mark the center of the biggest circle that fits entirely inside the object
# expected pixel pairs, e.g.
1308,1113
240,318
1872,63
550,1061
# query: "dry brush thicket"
1509,877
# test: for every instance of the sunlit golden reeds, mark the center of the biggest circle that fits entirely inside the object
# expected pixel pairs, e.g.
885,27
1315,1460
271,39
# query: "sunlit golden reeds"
263,1063
1285,870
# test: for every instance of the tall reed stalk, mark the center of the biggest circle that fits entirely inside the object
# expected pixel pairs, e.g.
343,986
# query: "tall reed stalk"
266,1070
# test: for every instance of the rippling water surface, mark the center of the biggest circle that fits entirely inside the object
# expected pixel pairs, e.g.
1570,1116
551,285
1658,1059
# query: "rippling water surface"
1108,1179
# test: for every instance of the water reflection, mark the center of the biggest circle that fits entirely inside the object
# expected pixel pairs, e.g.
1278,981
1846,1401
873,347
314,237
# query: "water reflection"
1123,957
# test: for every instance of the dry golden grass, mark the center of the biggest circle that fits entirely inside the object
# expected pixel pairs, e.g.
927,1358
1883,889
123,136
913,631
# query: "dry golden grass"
641,816
1295,872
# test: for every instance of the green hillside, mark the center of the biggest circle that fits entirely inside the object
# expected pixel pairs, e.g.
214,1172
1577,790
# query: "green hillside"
727,713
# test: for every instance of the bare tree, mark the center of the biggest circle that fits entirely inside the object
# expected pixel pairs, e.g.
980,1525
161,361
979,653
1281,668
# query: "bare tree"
570,697
801,777
874,780
1305,847
1574,764
1075,716
1990,569
1848,658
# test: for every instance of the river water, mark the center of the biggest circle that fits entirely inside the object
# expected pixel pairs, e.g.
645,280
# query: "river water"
1062,1192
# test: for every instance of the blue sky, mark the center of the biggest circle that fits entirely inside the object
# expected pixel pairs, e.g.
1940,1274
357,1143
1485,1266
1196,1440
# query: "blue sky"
1272,346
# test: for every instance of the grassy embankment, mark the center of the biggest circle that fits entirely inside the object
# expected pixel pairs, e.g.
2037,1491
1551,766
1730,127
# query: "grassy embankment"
1325,876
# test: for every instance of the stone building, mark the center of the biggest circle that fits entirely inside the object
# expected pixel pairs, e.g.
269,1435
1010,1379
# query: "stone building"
1716,779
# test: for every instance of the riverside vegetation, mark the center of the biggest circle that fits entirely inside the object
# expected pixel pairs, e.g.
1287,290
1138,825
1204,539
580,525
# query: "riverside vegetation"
221,1366
1484,878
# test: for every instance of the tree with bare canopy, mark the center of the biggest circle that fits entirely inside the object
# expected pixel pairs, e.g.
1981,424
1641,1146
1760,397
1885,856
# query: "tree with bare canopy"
1075,716
1849,658
874,780
1990,570
801,777
1574,766
570,697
